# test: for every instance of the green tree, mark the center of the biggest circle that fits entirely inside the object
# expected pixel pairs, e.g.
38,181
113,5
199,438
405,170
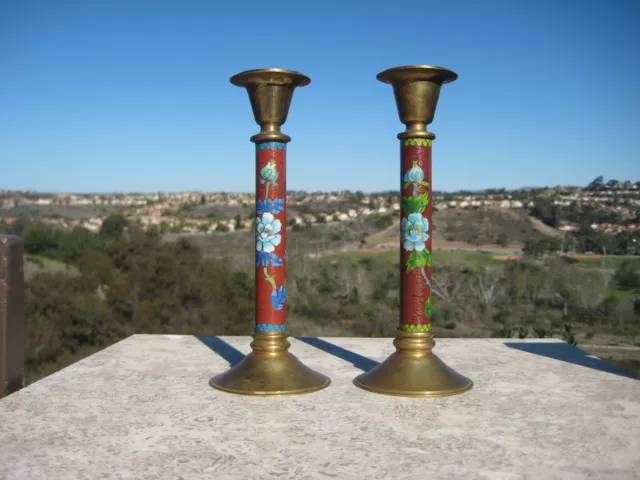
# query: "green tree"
384,221
98,265
546,211
38,239
75,243
627,275
502,239
542,247
596,184
114,225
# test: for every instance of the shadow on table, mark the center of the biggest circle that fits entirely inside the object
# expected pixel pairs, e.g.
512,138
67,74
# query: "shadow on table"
567,353
363,363
222,348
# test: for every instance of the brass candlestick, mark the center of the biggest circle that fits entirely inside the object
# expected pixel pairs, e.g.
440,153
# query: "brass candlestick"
270,369
414,370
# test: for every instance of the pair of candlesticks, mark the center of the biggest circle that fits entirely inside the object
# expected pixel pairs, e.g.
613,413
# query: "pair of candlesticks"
413,370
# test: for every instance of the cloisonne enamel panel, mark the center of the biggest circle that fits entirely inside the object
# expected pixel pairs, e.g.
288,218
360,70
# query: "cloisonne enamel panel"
271,188
415,248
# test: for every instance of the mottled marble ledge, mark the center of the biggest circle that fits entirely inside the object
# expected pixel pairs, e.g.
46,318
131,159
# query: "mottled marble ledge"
143,408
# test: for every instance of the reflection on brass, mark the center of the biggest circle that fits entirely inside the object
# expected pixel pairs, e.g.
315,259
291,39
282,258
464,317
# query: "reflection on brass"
270,370
417,88
414,371
270,92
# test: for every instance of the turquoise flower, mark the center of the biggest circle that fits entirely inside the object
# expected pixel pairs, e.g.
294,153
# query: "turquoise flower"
414,174
415,177
414,232
269,173
267,233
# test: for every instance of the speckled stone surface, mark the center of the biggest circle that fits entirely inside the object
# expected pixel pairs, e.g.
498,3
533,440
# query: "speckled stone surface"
142,409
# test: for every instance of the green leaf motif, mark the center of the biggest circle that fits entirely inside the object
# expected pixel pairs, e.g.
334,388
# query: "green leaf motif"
269,278
418,260
423,183
406,185
415,204
427,308
415,328
411,262
417,142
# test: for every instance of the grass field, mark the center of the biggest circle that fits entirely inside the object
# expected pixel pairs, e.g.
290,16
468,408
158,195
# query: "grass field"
34,264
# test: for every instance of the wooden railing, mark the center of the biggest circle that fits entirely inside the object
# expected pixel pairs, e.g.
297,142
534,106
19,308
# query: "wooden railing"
11,314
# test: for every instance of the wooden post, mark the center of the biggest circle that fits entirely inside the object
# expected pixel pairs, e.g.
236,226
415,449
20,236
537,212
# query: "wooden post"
11,314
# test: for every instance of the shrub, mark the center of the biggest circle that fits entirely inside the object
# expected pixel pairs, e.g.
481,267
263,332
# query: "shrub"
502,239
114,225
627,276
38,239
384,221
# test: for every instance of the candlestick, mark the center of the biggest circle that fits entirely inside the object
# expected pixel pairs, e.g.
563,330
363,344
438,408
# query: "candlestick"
414,370
270,369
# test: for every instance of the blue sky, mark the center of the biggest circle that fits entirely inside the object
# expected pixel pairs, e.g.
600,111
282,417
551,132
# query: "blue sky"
135,96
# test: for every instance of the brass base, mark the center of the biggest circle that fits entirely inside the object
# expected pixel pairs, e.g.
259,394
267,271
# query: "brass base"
414,371
270,370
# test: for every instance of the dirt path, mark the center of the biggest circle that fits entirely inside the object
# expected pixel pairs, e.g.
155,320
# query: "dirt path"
546,229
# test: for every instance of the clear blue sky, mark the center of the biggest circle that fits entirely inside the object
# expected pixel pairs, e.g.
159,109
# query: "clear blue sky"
132,95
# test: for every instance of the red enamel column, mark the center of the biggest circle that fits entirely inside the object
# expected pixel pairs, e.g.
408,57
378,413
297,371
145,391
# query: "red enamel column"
271,236
415,236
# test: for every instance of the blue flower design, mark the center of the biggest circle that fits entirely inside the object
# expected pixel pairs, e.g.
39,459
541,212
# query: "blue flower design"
267,233
266,259
270,206
269,173
414,232
414,174
278,297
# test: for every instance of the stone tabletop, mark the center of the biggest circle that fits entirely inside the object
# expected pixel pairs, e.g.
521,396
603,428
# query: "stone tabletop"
143,409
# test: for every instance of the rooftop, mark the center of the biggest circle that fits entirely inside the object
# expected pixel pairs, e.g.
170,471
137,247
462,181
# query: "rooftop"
143,408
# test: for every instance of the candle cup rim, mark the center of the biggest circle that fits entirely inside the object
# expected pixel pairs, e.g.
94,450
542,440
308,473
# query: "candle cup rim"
270,76
412,73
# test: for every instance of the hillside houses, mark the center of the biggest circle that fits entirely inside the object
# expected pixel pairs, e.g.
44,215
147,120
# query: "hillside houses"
184,211
476,202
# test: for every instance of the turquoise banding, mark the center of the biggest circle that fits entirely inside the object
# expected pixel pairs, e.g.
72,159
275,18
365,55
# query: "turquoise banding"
271,146
268,327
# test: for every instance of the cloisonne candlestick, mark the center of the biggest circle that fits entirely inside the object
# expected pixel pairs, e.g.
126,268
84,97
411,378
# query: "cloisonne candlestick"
414,370
270,369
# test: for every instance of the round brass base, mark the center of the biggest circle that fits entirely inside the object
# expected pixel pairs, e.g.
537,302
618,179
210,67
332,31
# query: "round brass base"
414,371
270,370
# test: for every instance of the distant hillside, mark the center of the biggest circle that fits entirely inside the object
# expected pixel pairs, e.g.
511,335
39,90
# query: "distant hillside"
476,227
483,226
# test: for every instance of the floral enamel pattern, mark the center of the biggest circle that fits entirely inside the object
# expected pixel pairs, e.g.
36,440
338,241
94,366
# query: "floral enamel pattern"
267,233
415,235
271,296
